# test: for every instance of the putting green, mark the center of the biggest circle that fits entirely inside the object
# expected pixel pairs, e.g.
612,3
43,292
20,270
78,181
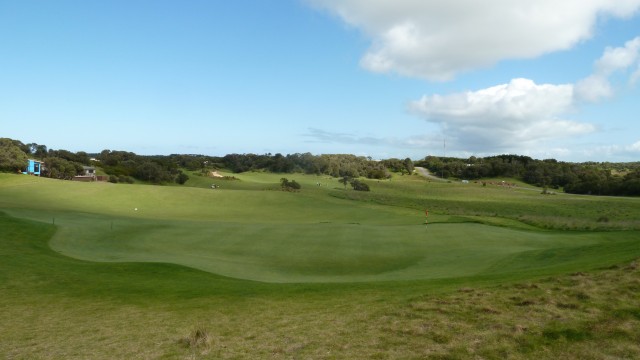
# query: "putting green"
324,252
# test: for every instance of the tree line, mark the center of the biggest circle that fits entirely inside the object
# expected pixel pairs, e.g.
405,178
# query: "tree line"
59,164
336,165
593,178
160,168
122,166
618,179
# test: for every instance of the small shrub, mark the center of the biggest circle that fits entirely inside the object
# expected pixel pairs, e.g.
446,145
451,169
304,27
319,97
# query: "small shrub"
182,178
113,179
359,185
287,185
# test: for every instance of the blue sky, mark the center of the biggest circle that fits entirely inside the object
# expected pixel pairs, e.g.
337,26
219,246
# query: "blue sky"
374,78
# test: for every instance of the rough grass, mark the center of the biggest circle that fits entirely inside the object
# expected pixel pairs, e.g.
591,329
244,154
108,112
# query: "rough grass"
523,205
579,316
199,341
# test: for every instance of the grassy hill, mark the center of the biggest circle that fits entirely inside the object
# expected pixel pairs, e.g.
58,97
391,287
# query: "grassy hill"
99,270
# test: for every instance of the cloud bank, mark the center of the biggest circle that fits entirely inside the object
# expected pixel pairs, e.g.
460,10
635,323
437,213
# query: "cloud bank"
522,115
415,142
437,39
631,151
505,117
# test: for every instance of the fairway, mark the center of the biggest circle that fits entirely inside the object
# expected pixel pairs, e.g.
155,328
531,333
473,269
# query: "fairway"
274,236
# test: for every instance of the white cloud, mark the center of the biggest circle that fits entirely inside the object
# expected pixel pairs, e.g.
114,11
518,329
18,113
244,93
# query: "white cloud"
437,39
508,117
598,85
635,147
619,58
593,88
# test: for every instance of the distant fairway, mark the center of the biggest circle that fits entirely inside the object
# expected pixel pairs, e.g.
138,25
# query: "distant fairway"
272,236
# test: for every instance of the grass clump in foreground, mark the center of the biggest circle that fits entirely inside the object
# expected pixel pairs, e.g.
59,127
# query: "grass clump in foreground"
199,341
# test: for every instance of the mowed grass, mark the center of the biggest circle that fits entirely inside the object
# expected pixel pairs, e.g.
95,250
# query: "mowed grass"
324,273
274,236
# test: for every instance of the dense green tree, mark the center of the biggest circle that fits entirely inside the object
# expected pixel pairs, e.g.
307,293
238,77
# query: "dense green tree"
151,172
408,165
182,178
79,157
344,180
59,168
12,157
378,173
631,184
35,150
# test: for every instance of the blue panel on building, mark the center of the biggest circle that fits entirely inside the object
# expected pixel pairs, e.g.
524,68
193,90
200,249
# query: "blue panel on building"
34,167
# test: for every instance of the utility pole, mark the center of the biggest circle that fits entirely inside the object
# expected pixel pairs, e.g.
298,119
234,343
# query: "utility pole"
444,147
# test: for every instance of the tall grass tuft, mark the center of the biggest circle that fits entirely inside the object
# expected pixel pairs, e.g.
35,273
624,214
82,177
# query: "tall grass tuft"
198,340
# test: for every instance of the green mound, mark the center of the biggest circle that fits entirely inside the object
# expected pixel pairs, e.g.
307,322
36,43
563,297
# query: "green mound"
334,252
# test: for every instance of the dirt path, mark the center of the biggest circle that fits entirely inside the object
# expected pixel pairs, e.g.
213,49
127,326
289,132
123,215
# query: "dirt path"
424,172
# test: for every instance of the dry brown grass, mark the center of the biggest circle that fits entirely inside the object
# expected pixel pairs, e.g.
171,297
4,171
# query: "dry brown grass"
199,341
593,315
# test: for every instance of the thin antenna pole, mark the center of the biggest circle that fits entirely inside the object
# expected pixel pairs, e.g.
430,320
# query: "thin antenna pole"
444,147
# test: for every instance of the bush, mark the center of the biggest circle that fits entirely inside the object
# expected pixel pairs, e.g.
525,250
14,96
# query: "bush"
182,178
113,179
287,185
359,185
